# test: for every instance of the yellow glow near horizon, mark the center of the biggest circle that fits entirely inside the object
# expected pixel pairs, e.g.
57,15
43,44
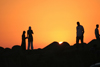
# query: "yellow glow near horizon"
50,20
60,42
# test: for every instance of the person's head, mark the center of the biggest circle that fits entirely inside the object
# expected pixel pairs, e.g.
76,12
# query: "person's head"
29,27
78,23
24,32
97,26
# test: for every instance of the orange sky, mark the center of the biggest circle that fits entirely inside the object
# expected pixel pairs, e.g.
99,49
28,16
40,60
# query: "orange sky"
51,20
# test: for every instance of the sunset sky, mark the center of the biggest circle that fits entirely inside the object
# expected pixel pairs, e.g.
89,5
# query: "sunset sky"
51,20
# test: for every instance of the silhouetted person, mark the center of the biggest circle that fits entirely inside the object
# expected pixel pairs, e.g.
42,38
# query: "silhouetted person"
80,32
23,45
30,38
97,32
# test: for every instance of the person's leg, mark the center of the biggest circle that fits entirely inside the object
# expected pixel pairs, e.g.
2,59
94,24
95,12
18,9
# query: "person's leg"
28,45
99,37
77,40
22,47
82,40
31,45
25,46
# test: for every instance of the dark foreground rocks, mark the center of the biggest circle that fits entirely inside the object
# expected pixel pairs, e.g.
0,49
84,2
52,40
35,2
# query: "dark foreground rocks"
53,55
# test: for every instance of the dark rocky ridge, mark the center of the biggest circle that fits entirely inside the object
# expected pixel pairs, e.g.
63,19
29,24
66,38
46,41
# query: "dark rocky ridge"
53,55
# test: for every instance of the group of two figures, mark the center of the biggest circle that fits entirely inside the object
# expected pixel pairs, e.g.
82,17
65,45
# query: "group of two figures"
80,33
30,39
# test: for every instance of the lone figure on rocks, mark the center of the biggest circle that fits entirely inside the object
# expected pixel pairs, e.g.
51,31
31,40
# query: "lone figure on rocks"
97,32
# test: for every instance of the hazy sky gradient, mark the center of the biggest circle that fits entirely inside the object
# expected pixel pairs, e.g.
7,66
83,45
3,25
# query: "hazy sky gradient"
51,20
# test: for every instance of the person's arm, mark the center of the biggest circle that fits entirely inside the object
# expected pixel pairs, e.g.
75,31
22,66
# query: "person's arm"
83,30
76,29
26,37
27,34
32,32
98,32
23,37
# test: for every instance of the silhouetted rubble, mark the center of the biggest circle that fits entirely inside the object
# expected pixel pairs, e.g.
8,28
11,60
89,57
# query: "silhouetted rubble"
53,55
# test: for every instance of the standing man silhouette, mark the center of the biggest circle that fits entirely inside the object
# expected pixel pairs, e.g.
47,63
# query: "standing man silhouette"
30,38
97,32
80,32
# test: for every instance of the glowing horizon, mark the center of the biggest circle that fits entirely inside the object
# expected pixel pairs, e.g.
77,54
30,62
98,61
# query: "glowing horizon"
60,42
52,20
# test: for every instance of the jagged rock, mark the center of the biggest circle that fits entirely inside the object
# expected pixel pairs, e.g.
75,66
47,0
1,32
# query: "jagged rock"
53,55
1,50
7,52
52,46
7,49
95,65
94,42
17,48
